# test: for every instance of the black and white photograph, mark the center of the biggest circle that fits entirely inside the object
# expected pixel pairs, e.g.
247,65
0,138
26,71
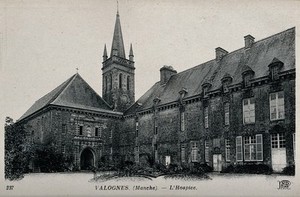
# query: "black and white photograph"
149,98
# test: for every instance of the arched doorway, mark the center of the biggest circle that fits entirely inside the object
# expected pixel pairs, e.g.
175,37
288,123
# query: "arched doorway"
86,159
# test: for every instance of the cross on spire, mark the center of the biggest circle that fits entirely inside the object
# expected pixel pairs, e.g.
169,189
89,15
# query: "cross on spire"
117,7
77,70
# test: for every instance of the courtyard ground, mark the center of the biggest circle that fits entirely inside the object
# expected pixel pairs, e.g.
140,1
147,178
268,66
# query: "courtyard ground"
81,184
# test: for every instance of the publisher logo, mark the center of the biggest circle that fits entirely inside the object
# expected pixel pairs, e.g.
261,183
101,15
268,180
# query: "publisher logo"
284,185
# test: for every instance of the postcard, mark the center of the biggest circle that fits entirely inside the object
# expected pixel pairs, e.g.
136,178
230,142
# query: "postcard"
149,98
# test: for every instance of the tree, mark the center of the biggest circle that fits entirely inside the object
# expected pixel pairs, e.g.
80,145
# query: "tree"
16,162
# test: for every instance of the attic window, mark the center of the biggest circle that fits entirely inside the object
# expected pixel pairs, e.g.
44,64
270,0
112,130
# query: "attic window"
225,87
205,88
226,80
248,74
247,80
274,73
274,68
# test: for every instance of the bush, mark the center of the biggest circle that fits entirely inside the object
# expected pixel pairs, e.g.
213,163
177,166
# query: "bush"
47,159
289,170
16,162
249,169
205,167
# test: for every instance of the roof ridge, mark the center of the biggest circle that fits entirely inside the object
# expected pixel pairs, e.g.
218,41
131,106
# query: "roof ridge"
262,39
87,86
62,89
96,92
236,50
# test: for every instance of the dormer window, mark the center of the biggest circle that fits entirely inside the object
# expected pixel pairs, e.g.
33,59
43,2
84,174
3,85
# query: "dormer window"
274,73
182,93
247,80
205,88
274,68
156,101
248,74
226,80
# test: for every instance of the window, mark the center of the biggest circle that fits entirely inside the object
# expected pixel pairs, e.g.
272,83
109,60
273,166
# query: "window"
155,152
88,131
136,129
227,150
96,131
250,149
80,130
206,117
205,90
225,86
182,121
253,149
128,82
155,128
247,78
182,153
294,146
278,140
248,111
110,84
216,142
106,84
276,106
63,148
64,129
194,152
120,81
206,144
32,137
239,148
111,150
274,72
226,113
137,154
111,133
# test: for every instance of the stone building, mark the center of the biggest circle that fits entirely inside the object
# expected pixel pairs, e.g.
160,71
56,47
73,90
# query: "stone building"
238,108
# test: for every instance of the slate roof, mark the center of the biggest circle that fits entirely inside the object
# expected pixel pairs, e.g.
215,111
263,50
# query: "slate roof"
74,93
257,58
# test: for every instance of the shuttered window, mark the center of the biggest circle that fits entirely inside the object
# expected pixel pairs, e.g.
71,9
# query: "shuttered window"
259,147
226,113
206,117
182,122
206,144
194,152
227,149
239,149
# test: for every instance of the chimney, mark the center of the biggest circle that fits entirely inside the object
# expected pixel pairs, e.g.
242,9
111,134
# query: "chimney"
249,40
165,74
220,53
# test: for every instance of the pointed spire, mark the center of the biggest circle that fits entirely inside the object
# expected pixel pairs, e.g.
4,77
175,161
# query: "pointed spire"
131,53
117,43
104,53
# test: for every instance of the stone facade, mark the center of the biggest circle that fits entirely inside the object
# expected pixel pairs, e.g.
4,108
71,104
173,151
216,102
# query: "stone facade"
201,115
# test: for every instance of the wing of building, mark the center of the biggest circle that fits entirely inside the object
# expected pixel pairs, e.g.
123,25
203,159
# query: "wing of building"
238,108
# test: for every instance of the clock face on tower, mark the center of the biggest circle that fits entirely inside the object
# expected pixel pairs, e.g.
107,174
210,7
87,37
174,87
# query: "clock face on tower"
124,98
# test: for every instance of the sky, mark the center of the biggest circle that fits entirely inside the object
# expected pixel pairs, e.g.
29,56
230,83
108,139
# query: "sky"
43,42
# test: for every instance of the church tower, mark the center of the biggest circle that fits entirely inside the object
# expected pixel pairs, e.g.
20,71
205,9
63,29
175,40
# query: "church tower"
118,73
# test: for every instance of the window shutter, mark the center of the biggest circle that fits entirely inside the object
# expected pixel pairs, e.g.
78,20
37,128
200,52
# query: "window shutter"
259,147
239,155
